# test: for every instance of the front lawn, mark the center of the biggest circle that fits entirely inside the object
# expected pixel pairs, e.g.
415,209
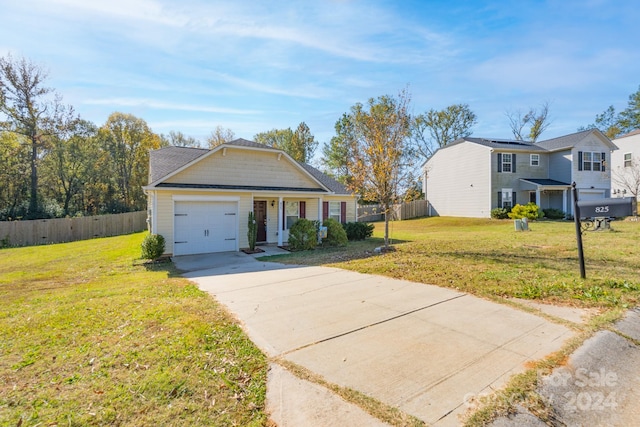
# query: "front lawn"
91,336
488,258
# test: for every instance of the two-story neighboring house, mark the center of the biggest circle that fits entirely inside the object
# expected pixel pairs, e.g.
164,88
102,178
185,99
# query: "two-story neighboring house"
471,176
625,165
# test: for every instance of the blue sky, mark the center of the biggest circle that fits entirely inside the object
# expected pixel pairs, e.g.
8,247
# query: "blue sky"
252,66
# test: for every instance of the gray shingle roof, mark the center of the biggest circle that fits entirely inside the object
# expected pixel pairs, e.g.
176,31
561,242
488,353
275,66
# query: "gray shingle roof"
325,179
566,141
546,182
167,160
506,144
240,142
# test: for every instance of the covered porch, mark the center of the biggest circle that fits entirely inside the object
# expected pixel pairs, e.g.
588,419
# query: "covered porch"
548,193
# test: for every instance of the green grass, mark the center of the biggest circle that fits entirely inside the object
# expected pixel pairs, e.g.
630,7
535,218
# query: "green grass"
89,335
488,258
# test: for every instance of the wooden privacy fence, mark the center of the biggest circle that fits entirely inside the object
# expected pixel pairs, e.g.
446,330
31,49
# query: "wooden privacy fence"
408,210
59,230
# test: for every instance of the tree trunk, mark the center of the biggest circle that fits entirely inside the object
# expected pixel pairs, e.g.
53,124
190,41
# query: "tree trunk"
33,198
386,227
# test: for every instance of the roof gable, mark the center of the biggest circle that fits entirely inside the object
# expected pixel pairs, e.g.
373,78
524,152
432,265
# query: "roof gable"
569,141
241,164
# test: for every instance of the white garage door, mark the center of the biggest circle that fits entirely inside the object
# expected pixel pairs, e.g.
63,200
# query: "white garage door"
590,195
203,227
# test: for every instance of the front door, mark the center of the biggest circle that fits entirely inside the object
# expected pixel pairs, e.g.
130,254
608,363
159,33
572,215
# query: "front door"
260,211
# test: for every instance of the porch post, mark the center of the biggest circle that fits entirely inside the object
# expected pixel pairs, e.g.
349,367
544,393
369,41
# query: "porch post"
280,220
538,199
320,209
564,201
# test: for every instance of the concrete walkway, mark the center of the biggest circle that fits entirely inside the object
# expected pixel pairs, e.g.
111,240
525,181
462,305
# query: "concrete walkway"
423,349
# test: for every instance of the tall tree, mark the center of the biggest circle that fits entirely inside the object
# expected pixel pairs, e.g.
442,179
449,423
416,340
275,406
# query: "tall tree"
179,139
14,176
299,144
128,140
30,109
435,129
615,124
382,159
69,165
336,154
536,121
629,119
219,136
606,122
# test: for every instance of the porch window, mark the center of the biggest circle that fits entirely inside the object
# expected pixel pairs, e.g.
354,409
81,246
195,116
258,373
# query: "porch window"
292,213
534,160
335,211
532,197
627,160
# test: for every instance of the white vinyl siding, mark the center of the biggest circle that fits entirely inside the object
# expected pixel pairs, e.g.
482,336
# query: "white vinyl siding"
458,181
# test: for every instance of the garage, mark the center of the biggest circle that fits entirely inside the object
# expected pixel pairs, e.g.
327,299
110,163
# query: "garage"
204,226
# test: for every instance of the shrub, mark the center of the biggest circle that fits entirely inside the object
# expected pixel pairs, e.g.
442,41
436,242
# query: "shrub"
152,246
336,236
499,213
530,211
553,213
303,235
252,231
358,230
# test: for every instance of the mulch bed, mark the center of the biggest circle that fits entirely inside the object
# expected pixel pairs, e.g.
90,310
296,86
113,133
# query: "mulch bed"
249,251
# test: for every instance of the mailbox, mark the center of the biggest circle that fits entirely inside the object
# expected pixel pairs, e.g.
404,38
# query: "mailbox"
609,208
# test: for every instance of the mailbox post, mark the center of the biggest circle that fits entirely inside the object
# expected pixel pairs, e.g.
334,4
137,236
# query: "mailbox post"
597,214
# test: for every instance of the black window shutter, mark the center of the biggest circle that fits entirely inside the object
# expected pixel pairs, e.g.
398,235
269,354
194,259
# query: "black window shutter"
499,199
500,163
603,161
513,198
513,163
579,160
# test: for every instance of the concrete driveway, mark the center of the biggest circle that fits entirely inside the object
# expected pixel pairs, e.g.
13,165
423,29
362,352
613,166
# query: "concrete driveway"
423,349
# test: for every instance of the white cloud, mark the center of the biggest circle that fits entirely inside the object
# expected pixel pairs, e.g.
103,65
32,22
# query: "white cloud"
158,105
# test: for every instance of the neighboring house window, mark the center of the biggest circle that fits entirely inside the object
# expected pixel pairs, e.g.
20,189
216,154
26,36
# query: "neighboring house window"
535,160
627,160
506,198
591,161
334,211
292,213
506,162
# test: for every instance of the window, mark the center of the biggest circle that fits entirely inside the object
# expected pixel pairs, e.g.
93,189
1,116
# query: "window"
535,160
591,161
505,198
627,160
532,197
506,162
335,211
292,213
